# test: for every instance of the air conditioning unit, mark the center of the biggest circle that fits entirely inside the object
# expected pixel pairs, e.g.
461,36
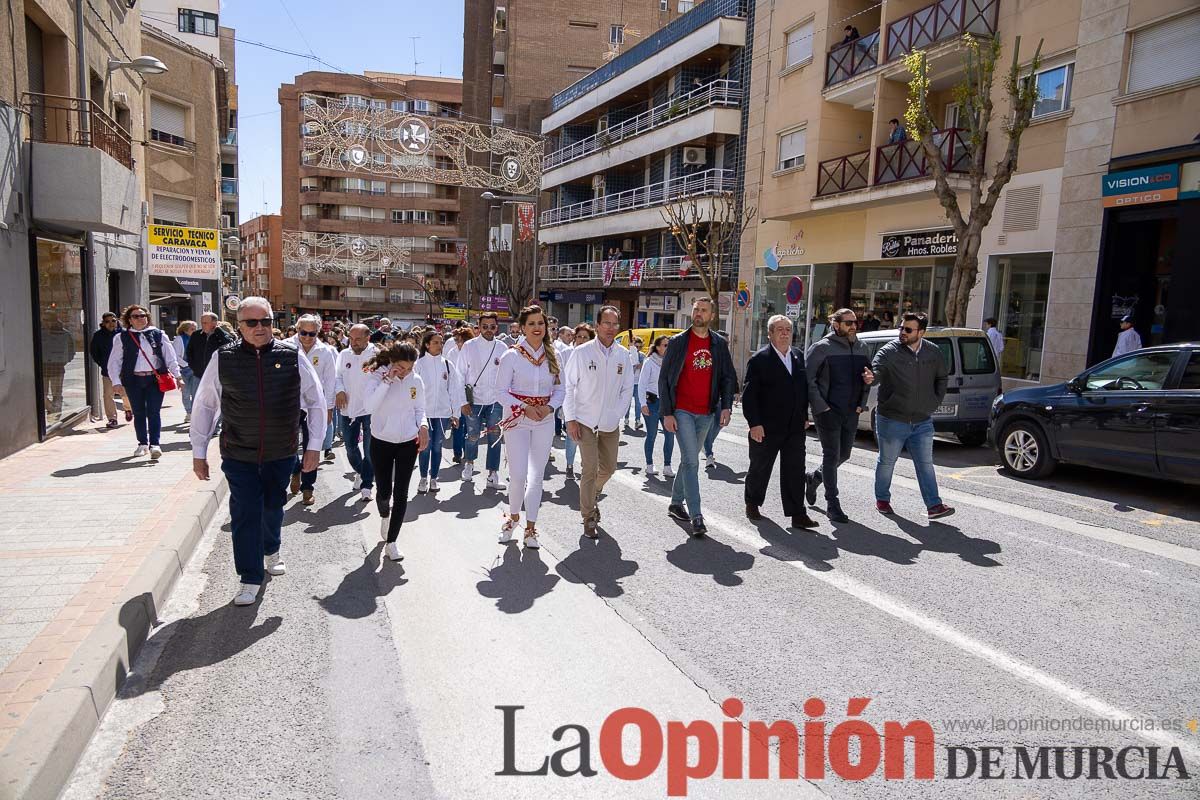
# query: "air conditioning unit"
226,221
694,156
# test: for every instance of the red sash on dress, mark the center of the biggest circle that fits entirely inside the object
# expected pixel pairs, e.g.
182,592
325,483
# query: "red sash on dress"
519,411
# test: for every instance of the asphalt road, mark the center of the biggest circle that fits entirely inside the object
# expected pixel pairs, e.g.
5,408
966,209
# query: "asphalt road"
1070,602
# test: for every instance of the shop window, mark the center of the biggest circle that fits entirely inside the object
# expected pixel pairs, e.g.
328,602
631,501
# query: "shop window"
1018,288
1054,90
60,297
799,45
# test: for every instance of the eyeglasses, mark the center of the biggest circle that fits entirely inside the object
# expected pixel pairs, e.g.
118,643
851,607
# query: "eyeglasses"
139,316
254,323
306,334
849,323
910,330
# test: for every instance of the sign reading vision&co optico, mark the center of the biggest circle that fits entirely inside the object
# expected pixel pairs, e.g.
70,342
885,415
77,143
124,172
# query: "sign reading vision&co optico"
909,244
180,252
1135,187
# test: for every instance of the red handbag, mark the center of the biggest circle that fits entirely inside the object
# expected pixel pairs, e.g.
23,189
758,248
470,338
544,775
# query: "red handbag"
166,381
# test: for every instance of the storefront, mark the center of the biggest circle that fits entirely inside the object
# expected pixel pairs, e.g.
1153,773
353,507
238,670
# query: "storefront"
1016,296
658,310
572,308
61,303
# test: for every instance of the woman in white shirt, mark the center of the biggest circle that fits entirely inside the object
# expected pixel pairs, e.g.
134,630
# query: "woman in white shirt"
458,440
636,358
584,333
139,355
529,391
648,394
444,396
395,399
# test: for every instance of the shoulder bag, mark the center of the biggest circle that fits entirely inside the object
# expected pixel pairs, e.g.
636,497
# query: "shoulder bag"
166,381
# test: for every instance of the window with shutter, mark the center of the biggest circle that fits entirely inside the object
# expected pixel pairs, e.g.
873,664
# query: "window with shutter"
791,149
1164,54
799,45
168,121
172,210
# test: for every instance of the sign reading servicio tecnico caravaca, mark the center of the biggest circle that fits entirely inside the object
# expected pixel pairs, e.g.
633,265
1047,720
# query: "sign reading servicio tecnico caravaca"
179,252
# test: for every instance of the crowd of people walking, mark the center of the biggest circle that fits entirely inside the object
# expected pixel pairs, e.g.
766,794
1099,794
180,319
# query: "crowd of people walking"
397,398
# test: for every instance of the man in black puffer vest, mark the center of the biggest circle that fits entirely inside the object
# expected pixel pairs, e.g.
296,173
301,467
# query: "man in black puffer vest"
259,386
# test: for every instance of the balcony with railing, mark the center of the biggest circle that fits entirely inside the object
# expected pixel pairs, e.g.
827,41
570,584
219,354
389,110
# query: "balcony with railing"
229,186
846,60
844,173
906,160
55,119
664,270
718,94
708,182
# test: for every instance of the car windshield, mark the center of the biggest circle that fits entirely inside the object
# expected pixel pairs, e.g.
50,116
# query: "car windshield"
1147,371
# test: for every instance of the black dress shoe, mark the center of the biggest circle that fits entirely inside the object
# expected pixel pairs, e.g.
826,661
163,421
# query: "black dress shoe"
676,512
836,514
752,513
804,522
811,482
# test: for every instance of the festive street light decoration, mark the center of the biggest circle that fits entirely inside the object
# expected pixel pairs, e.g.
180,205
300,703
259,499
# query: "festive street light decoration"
381,141
308,253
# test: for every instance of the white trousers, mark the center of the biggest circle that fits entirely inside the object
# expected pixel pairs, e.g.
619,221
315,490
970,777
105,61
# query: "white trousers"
528,451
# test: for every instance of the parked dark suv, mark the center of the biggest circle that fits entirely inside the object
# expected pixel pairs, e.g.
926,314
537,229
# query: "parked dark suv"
1138,413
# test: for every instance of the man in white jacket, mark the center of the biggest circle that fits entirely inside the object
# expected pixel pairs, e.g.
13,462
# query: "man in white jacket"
323,358
351,387
599,386
477,363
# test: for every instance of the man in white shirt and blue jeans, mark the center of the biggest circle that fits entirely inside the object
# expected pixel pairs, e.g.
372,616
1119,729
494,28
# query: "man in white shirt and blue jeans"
350,388
477,361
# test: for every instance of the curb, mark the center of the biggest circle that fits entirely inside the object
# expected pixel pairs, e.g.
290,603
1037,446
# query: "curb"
39,760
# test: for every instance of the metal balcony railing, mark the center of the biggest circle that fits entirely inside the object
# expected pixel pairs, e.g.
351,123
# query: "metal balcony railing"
844,173
666,36
713,181
942,20
847,60
665,268
171,138
56,119
906,160
721,93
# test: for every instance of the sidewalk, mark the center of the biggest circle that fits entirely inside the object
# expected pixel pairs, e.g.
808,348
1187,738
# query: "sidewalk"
91,541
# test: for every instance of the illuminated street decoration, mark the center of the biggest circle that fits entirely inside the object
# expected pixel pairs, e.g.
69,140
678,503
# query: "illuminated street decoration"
384,142
306,253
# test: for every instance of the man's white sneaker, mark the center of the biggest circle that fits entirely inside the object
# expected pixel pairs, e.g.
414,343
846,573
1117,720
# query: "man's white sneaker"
710,461
275,564
506,530
423,486
433,485
651,472
493,480
668,472
357,481
365,494
187,417
140,451
155,452
392,551
468,471
247,594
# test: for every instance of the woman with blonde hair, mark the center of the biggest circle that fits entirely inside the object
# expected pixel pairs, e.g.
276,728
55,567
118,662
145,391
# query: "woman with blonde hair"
529,390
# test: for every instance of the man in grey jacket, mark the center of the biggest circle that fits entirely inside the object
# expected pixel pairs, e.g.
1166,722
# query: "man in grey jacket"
838,382
912,379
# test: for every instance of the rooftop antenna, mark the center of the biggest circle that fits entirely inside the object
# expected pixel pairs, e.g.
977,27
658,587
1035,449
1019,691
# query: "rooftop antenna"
415,62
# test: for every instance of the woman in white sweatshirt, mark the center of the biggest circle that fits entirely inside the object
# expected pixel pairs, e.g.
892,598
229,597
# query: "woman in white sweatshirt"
444,396
648,393
529,391
395,399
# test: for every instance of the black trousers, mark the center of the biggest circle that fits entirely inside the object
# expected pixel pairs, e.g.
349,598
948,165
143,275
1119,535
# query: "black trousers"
836,431
393,465
790,450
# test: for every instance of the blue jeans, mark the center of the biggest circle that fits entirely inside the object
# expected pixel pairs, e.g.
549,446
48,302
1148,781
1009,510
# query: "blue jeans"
333,425
691,432
458,440
430,459
146,400
360,461
481,415
894,436
188,386
257,493
634,405
652,424
712,436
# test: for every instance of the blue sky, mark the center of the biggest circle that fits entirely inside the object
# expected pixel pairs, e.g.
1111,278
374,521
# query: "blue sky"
355,35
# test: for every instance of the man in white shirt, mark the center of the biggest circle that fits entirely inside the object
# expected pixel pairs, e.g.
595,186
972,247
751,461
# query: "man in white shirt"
477,361
323,358
563,346
994,336
259,387
599,385
350,388
1129,339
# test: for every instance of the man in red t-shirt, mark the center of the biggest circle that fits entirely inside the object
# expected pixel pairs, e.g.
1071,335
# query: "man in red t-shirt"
696,389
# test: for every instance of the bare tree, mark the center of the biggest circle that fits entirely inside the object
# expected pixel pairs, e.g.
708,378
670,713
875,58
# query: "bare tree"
974,96
516,274
709,231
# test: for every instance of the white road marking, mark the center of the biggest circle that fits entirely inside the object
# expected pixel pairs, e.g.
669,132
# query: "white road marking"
935,627
1183,555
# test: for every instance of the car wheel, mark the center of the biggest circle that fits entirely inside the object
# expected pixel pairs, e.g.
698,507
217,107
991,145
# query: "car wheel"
972,439
1024,451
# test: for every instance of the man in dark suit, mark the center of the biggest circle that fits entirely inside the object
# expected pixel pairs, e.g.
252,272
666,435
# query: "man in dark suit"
775,403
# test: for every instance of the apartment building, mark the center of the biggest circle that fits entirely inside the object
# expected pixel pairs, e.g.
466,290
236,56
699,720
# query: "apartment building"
261,258
847,217
659,124
230,179
370,210
71,203
518,53
187,116
195,22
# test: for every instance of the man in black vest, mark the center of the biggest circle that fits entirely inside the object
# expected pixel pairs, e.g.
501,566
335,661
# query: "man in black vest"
259,386
775,403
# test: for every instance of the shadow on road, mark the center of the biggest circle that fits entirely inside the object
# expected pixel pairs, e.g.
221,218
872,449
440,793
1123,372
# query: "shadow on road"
101,467
812,549
518,580
357,595
939,537
597,563
343,510
704,556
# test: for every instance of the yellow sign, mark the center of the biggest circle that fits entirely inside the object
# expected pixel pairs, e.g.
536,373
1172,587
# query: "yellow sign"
743,286
454,313
179,252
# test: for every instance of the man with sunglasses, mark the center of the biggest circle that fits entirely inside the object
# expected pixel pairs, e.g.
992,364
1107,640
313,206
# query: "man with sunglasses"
839,378
912,383
259,386
478,361
324,361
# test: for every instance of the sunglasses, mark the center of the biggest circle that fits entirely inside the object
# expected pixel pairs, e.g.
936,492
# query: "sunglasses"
910,330
139,316
254,323
849,323
306,334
